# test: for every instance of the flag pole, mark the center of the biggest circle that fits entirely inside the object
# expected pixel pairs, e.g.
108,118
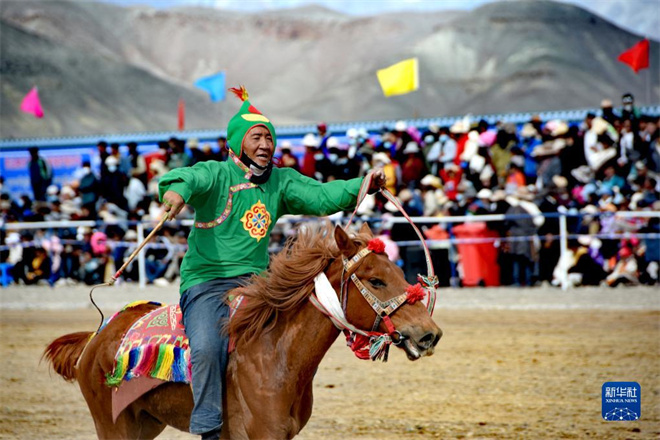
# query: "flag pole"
648,79
181,115
648,86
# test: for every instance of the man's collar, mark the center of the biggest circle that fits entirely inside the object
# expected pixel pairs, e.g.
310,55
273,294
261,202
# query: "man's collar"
239,167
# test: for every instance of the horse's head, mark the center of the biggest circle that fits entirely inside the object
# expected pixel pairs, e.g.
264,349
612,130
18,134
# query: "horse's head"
380,291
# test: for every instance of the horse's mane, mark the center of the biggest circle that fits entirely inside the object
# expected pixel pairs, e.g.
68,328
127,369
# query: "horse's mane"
288,282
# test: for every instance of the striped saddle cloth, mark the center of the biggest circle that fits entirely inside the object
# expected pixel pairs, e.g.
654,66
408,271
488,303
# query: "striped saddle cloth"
156,346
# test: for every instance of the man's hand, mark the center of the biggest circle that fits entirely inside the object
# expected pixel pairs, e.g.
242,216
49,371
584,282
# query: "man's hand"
173,203
378,180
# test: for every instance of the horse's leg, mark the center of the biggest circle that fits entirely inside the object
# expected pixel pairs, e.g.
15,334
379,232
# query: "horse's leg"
138,424
170,404
96,362
258,412
98,395
135,422
302,409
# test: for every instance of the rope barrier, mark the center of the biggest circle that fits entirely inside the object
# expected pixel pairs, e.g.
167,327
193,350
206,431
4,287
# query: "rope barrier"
67,224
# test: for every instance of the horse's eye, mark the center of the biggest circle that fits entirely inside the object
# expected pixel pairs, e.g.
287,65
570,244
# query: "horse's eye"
376,282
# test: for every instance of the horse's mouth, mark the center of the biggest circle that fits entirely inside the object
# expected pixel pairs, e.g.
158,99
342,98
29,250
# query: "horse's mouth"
416,348
413,351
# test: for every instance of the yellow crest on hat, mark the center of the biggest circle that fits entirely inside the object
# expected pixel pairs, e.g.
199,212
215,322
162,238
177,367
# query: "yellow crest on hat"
255,118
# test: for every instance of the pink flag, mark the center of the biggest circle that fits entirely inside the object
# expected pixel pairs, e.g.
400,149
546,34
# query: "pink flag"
31,104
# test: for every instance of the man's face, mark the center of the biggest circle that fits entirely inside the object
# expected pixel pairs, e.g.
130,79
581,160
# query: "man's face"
258,145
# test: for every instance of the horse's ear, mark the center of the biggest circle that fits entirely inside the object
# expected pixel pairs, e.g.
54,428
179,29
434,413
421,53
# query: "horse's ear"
365,229
344,242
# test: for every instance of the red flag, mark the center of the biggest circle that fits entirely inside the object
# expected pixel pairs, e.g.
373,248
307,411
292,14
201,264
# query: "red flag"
31,104
182,114
637,57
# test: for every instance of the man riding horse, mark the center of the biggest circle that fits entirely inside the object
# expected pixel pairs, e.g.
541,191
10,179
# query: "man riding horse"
236,203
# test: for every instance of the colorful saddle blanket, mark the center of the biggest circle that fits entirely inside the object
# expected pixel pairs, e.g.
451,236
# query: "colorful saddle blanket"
156,346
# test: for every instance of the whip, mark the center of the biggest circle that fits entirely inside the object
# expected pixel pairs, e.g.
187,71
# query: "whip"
116,276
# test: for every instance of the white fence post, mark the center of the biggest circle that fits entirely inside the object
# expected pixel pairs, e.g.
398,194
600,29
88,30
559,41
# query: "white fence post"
563,245
141,267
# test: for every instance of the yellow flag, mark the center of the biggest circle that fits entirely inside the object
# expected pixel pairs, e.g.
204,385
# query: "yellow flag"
399,78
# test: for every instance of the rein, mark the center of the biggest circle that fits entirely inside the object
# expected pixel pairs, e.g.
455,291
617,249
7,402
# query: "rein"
372,344
116,276
429,282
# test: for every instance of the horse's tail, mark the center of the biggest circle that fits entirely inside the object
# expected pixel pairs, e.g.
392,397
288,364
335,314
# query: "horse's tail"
63,353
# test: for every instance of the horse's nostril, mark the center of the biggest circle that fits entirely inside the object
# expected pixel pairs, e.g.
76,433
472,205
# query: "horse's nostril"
428,340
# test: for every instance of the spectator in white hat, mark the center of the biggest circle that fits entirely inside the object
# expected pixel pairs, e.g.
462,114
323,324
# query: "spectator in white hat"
113,184
443,152
342,167
430,186
401,139
599,143
287,159
312,154
391,169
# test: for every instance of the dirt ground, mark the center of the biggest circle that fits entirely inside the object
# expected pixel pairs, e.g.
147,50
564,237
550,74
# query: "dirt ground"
501,374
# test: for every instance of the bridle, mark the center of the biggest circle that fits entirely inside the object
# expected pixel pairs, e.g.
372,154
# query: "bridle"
372,344
383,309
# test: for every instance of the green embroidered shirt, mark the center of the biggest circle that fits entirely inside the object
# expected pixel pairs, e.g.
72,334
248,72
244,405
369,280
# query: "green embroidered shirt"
234,217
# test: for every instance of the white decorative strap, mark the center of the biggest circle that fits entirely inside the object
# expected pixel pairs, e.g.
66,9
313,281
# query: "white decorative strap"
327,296
325,299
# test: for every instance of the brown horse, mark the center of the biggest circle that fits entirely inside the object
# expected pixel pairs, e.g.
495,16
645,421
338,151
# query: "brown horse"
280,341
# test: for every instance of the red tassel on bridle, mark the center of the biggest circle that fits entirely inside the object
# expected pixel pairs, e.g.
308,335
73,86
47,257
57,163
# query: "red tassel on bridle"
376,246
415,293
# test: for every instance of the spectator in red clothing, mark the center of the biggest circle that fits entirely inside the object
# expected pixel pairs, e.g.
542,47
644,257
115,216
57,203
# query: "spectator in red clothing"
288,160
413,167
308,167
515,178
451,176
459,132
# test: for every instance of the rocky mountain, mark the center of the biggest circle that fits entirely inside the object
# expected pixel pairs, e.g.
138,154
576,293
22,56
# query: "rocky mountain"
102,68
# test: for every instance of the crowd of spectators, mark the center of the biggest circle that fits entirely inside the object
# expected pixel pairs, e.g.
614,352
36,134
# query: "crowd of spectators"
590,170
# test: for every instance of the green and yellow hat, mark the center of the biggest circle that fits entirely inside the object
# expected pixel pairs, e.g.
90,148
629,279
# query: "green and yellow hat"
246,118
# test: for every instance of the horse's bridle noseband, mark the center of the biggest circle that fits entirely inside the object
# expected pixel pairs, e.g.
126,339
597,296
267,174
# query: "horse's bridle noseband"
383,309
